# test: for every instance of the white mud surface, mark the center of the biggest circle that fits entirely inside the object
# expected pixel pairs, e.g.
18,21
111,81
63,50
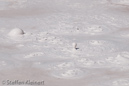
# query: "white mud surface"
65,42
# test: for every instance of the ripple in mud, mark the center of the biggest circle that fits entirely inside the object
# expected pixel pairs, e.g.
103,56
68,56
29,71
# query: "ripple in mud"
125,55
96,42
120,59
69,73
54,66
98,47
84,62
97,29
94,29
35,54
119,2
7,4
121,82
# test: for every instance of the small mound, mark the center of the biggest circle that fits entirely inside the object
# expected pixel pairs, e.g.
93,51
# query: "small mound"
16,32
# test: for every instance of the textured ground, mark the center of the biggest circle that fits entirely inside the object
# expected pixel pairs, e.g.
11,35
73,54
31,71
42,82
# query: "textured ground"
45,50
